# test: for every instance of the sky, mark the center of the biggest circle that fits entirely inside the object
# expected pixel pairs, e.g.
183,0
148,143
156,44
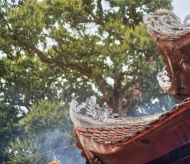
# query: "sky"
181,8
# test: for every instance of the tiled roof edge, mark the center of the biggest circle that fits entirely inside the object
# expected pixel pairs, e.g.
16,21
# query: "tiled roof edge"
85,121
116,135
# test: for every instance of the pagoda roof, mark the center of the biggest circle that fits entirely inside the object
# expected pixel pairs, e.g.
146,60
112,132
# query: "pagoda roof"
172,39
136,143
105,138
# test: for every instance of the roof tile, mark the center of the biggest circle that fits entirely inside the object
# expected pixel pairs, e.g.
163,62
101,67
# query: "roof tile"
111,136
120,134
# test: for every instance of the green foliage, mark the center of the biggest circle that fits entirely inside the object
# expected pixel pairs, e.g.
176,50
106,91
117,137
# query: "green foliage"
80,37
8,131
57,50
46,127
23,83
27,80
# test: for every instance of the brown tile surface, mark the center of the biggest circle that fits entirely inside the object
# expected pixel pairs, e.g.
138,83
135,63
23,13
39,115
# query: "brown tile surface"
110,136
124,135
121,134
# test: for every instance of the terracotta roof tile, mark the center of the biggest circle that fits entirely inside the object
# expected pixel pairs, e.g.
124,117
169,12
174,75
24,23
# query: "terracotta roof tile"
110,136
88,135
112,132
99,131
107,142
82,129
95,138
121,134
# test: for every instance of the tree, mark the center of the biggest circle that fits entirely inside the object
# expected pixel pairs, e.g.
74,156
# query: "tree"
31,95
24,83
102,42
45,132
57,50
26,80
8,131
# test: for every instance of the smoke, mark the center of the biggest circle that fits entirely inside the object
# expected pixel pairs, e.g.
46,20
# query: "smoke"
61,145
44,147
46,132
153,106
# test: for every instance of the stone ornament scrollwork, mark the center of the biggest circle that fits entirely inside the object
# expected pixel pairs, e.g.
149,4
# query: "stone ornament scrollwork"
93,110
163,79
166,22
172,39
185,22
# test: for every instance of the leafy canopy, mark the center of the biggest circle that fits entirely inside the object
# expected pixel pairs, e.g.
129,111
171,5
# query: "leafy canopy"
45,132
100,42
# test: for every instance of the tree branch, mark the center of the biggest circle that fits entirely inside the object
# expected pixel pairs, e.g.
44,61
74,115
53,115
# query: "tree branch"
100,13
96,19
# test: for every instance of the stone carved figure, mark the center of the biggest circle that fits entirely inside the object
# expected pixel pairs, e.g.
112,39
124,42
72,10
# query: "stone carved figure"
164,80
165,22
93,110
172,38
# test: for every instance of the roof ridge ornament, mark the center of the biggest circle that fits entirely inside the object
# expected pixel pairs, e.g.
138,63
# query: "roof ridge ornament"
172,39
91,109
185,22
166,22
164,80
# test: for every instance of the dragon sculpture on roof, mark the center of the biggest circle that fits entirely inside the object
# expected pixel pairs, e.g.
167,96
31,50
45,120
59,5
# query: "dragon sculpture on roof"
172,38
